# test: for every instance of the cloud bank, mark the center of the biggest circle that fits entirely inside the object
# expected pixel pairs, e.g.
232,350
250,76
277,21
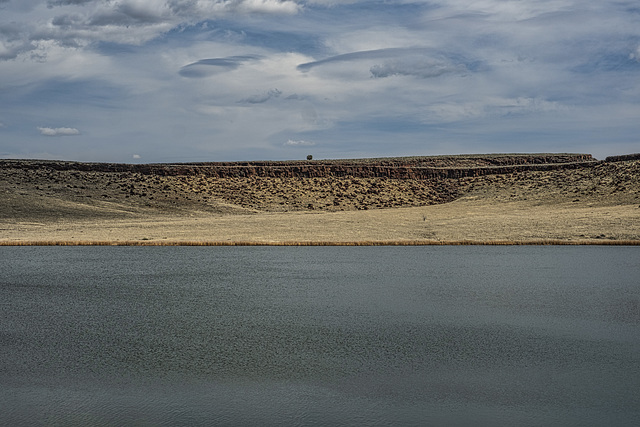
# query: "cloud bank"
182,80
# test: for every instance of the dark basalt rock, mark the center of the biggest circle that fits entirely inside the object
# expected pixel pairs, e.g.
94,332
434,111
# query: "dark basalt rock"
392,168
623,158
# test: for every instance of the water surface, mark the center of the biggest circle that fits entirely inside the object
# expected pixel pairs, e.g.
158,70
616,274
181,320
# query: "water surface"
320,335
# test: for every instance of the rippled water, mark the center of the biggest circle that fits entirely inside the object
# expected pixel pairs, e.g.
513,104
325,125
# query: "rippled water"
320,336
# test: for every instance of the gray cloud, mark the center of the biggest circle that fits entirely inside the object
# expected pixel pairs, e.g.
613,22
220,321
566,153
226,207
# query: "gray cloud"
417,66
354,56
84,22
67,20
13,41
126,14
12,50
51,4
212,66
262,98
419,62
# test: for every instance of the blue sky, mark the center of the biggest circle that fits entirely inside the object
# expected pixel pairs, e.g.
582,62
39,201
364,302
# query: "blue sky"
213,80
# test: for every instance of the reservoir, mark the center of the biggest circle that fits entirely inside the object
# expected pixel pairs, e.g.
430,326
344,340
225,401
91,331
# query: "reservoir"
453,335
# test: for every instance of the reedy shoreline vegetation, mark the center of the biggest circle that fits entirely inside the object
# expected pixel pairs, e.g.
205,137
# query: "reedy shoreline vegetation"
331,243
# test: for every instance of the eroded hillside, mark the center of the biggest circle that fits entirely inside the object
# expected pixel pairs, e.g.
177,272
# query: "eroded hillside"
45,190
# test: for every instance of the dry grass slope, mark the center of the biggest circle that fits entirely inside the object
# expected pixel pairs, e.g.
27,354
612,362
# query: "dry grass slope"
591,203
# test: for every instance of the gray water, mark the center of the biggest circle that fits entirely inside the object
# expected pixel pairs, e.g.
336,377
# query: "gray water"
528,336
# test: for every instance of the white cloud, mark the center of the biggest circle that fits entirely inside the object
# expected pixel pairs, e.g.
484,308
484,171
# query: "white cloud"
136,156
58,131
504,10
298,143
332,2
419,67
265,6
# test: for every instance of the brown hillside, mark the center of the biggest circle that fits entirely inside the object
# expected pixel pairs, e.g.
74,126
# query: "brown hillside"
64,193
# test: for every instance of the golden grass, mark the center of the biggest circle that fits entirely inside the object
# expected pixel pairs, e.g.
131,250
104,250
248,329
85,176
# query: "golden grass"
548,242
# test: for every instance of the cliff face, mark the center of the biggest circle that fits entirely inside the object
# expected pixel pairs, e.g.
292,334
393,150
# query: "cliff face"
392,168
623,158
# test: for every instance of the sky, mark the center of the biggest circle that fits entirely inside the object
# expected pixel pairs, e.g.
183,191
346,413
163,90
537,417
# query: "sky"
144,81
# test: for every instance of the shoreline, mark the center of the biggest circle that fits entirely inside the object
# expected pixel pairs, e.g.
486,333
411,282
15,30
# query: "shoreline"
332,243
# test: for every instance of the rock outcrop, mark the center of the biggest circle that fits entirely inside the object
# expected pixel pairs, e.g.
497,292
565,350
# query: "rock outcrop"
392,168
623,158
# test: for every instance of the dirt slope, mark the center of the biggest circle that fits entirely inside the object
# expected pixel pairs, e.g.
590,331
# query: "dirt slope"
600,200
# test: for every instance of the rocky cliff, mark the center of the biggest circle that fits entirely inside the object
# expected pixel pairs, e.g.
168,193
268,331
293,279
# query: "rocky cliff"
393,168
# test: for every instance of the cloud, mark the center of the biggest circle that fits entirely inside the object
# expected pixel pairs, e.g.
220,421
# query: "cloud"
128,14
353,56
418,62
137,75
14,40
449,112
80,23
212,66
58,131
262,98
263,6
419,67
51,3
136,156
298,143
